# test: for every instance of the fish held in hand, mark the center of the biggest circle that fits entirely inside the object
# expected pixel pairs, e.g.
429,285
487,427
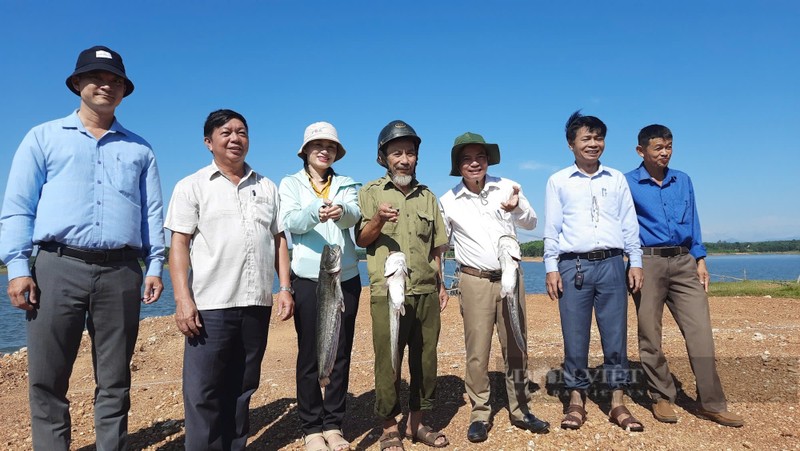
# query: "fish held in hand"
509,256
396,272
330,305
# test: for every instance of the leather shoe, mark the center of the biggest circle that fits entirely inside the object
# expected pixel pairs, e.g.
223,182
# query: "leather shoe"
531,423
478,432
663,412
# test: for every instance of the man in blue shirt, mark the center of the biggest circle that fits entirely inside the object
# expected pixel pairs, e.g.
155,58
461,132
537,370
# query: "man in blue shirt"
675,274
86,191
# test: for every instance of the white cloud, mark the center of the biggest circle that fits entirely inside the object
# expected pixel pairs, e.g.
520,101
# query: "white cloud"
536,166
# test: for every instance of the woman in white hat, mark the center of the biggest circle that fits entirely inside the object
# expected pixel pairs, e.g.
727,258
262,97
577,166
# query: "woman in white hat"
318,207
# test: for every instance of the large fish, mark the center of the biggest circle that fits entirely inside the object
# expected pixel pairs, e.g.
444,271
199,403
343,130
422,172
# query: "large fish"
509,255
330,305
395,271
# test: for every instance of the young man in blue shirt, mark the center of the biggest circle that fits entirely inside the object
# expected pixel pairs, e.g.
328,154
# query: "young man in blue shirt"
86,191
675,275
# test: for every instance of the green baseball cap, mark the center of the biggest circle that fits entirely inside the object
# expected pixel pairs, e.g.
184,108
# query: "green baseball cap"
492,150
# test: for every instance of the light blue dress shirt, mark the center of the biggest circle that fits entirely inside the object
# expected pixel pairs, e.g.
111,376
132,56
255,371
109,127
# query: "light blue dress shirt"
67,186
585,213
667,213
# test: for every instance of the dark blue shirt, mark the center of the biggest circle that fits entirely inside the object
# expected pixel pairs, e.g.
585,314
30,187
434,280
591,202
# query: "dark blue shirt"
667,214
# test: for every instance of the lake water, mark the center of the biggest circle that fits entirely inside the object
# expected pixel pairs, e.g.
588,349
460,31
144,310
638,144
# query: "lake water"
721,267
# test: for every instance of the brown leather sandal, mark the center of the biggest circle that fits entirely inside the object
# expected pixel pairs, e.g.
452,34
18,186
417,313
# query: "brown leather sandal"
569,418
391,440
630,423
428,436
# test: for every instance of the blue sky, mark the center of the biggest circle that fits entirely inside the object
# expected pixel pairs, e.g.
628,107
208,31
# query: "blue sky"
722,75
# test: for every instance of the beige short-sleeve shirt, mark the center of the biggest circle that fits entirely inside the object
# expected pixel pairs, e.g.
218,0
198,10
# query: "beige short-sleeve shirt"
233,227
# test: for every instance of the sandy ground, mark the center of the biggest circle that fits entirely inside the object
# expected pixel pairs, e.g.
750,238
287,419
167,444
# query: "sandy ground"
758,344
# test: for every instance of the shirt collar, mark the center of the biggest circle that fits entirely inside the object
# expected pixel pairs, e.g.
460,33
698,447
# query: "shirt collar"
492,183
74,122
212,170
644,176
387,183
600,170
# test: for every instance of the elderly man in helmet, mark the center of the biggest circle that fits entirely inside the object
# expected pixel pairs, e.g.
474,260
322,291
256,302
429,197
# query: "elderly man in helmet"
477,212
401,215
86,191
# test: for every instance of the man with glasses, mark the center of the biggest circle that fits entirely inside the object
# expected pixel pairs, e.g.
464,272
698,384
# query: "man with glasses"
86,191
589,222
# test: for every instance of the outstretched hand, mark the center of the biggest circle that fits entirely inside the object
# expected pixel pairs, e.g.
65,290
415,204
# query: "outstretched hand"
513,200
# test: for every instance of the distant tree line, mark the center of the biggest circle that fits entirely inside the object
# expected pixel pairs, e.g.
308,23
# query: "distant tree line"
536,248
723,247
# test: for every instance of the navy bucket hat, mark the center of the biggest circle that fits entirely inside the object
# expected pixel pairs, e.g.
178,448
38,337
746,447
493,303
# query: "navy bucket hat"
100,58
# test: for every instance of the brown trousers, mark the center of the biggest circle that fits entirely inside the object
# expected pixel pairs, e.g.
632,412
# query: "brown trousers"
673,281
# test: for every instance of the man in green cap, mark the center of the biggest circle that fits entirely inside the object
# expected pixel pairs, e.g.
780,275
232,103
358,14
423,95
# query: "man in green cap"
399,214
479,212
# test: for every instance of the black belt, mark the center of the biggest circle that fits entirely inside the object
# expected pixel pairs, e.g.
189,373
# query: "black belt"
670,251
88,256
493,276
592,256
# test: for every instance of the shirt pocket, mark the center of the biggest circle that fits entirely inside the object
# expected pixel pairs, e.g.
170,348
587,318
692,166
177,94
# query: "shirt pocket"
262,210
424,226
124,175
684,212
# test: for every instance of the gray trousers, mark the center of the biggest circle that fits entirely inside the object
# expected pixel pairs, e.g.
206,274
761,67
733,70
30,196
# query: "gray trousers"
673,281
105,298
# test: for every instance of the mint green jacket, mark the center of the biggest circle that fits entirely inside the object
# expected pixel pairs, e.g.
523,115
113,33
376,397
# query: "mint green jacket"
300,217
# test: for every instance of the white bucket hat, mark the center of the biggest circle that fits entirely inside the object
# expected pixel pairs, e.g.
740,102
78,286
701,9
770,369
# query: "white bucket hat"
322,130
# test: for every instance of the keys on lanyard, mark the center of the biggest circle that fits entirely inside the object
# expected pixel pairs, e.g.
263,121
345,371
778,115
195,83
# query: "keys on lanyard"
578,274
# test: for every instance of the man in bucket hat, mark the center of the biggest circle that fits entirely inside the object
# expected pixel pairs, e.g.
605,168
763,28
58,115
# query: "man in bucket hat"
477,212
87,270
401,215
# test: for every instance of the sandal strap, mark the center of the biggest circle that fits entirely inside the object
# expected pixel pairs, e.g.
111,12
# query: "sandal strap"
618,411
335,439
391,440
308,439
574,408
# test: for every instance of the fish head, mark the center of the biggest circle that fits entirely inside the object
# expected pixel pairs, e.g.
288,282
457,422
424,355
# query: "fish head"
331,259
396,261
508,246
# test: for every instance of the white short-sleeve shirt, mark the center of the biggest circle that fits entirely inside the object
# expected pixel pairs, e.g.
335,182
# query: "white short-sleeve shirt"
233,227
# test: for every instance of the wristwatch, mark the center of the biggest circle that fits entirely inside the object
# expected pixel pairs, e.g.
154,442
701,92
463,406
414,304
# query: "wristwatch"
289,289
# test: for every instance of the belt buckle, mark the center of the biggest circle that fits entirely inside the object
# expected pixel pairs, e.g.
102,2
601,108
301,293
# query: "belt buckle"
595,255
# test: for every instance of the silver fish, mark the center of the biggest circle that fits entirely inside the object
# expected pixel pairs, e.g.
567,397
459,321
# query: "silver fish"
396,272
330,305
509,255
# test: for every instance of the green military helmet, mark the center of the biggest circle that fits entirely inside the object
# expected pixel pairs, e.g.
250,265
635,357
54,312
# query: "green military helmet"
394,130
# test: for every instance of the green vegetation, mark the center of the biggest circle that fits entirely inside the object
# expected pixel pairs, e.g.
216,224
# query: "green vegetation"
755,288
723,247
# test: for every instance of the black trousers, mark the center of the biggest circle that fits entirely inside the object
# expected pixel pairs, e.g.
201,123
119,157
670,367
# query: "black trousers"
221,371
319,414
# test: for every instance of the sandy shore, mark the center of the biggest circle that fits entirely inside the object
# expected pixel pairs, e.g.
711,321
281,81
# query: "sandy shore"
758,344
